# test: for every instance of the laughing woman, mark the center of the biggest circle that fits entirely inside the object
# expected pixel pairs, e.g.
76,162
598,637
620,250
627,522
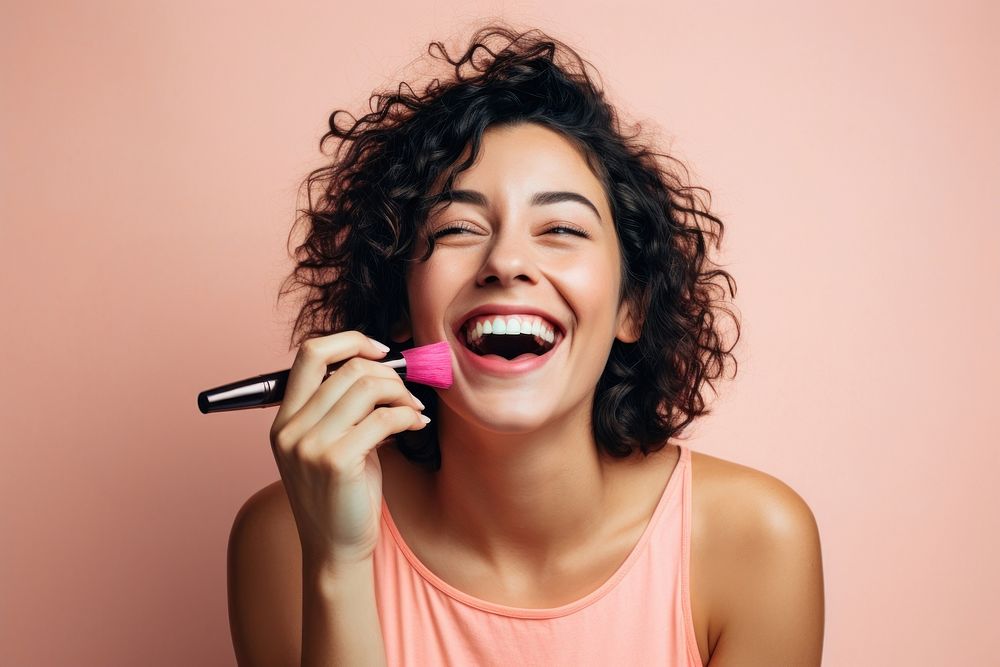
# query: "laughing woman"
546,514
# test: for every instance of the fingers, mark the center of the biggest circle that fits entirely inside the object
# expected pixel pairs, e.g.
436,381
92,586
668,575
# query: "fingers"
332,389
309,368
359,400
376,428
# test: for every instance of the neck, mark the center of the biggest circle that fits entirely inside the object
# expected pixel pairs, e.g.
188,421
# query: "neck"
520,501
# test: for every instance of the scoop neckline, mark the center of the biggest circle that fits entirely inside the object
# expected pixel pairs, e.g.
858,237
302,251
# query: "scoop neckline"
669,489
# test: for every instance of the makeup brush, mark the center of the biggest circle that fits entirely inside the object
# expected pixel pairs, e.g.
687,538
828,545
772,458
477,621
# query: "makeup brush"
426,364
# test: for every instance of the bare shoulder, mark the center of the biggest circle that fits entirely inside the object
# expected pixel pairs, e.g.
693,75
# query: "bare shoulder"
264,580
762,502
268,503
757,567
265,523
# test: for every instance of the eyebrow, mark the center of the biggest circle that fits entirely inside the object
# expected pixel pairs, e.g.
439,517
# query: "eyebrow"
538,199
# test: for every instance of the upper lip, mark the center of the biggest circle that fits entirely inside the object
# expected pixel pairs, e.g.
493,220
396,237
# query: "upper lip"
506,309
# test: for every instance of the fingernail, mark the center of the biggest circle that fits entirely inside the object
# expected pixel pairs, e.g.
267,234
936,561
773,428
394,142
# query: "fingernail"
419,402
425,419
384,348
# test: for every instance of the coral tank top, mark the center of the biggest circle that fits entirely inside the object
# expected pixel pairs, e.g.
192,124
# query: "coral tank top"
640,616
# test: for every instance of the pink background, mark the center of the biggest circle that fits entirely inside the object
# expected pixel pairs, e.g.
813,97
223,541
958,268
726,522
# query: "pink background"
150,158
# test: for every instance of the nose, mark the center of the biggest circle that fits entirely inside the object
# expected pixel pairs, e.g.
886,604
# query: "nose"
508,259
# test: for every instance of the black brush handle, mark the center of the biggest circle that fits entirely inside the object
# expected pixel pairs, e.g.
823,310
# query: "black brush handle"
260,391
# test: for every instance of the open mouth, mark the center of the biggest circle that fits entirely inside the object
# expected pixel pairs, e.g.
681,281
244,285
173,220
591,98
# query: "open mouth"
508,346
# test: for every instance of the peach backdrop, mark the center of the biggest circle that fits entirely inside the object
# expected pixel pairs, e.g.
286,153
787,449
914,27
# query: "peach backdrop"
150,158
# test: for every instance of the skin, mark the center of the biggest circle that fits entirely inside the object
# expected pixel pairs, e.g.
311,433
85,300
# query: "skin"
526,511
521,488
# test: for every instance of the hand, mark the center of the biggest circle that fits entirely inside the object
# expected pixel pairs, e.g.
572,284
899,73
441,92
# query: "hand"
324,439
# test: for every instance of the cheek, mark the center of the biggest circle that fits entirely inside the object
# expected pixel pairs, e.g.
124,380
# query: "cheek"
436,276
450,269
592,286
430,287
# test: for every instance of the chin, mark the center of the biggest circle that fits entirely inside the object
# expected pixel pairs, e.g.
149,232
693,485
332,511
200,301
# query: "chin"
504,415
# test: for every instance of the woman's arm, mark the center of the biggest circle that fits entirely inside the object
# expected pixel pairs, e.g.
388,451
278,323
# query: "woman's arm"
264,581
341,617
773,610
271,590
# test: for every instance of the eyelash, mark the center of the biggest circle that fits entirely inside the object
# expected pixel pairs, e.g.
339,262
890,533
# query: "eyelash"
461,227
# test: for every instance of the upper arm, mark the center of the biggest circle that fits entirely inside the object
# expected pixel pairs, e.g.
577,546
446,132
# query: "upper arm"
264,581
772,612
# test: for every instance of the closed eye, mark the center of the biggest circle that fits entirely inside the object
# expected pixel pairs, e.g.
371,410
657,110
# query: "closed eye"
458,228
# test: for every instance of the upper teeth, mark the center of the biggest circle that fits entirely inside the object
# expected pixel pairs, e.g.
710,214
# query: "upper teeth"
476,327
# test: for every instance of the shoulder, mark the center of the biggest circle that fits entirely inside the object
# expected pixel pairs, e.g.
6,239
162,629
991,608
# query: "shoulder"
757,547
265,526
264,566
759,505
263,506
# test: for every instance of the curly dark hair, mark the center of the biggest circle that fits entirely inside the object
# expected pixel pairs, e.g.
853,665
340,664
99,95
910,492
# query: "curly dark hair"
375,198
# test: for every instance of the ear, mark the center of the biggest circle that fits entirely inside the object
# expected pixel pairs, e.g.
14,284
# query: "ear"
629,327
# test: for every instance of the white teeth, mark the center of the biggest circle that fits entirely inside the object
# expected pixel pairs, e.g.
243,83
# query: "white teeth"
536,326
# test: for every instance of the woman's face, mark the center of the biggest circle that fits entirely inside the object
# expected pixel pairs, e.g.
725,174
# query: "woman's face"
513,253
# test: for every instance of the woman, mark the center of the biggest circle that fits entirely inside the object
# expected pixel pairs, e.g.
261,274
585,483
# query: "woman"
541,517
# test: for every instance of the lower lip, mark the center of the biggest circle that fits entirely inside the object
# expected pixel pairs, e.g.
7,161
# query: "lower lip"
497,365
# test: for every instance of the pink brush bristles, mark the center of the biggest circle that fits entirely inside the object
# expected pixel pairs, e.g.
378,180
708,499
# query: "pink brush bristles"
429,364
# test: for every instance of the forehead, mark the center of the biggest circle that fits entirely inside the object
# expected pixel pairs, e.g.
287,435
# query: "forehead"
514,161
